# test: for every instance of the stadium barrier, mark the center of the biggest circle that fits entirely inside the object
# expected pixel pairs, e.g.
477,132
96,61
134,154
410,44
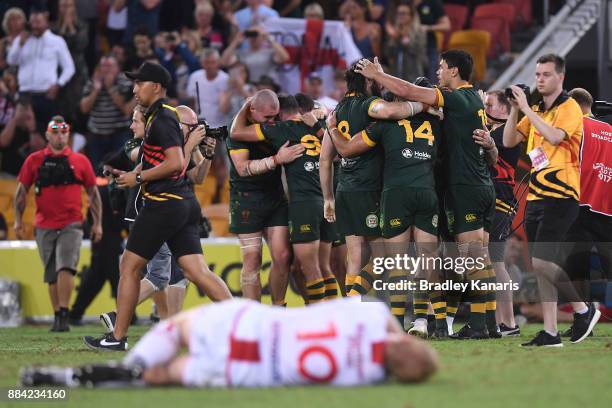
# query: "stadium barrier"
19,261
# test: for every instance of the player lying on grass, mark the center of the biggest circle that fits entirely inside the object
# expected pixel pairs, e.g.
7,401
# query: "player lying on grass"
242,343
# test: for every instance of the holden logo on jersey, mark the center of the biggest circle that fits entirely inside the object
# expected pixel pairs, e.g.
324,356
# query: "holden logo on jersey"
395,222
434,221
407,153
309,166
470,217
346,163
372,221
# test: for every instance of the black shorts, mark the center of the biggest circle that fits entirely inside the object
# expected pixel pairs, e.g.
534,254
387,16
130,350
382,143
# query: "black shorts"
501,226
547,223
173,221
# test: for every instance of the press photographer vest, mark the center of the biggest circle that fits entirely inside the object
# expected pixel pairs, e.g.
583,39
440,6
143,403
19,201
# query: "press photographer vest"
55,171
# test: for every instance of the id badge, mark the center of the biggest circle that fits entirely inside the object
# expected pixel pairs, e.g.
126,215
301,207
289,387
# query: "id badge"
538,157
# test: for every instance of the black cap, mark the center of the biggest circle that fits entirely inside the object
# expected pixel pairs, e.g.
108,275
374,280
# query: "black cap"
150,71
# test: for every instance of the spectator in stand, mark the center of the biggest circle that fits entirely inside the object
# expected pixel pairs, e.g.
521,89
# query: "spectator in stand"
238,91
406,47
314,89
340,88
142,49
58,174
107,99
173,53
433,20
211,84
142,13
13,23
8,95
314,11
209,36
18,139
176,15
88,13
120,54
3,228
39,54
256,13
74,32
116,22
367,35
261,54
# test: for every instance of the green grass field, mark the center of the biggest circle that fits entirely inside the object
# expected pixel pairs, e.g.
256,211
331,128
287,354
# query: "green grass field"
487,373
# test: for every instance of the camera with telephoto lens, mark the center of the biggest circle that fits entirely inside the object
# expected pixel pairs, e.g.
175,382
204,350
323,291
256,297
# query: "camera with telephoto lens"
525,88
219,133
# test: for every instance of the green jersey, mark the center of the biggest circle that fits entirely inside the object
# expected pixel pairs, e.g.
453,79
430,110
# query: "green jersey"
302,173
464,113
361,173
267,182
410,149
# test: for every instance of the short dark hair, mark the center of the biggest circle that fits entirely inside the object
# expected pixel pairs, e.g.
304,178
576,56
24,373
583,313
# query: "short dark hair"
355,82
502,99
461,60
582,96
142,30
305,102
288,104
555,59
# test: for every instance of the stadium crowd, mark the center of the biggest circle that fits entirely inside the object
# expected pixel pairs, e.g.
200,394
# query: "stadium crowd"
366,175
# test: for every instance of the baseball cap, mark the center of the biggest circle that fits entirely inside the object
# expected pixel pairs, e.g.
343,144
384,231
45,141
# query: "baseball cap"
314,76
150,71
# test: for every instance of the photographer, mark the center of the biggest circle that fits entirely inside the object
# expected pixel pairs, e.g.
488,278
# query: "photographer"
170,213
58,174
262,54
553,129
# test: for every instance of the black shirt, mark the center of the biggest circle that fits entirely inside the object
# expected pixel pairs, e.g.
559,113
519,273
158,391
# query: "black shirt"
162,132
430,11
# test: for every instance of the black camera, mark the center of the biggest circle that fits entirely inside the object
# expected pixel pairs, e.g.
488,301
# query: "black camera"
525,88
219,133
251,33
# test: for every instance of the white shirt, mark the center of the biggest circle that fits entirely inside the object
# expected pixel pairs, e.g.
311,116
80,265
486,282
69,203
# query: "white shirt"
246,17
329,103
38,61
210,92
242,343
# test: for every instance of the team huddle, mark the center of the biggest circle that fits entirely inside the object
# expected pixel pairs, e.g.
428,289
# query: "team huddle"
423,170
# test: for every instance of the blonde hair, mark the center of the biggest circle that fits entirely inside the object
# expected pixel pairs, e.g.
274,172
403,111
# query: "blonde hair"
10,13
205,6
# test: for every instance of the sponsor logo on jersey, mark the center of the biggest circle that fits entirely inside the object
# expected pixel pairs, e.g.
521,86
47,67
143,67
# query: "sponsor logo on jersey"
407,153
305,228
347,163
309,166
395,222
371,221
470,217
434,221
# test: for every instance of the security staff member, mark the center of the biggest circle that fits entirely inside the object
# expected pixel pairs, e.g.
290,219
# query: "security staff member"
170,213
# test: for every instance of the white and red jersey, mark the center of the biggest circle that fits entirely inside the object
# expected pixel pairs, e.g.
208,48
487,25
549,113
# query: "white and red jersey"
242,343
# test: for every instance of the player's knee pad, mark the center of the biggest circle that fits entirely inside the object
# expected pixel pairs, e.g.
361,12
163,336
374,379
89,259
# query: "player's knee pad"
249,277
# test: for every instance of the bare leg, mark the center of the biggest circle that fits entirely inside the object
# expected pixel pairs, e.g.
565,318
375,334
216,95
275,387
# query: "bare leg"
65,286
338,265
127,292
169,374
504,312
176,296
53,296
196,271
277,239
250,249
160,298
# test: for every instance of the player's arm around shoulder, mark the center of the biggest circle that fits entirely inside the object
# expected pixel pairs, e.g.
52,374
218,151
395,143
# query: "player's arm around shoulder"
381,109
346,145
242,130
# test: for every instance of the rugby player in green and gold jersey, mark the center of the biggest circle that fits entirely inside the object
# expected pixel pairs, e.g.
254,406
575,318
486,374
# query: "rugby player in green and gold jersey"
356,205
310,234
258,207
409,204
470,199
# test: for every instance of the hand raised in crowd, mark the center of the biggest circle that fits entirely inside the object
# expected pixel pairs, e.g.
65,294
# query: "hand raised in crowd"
287,154
483,138
23,37
368,68
520,99
329,210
